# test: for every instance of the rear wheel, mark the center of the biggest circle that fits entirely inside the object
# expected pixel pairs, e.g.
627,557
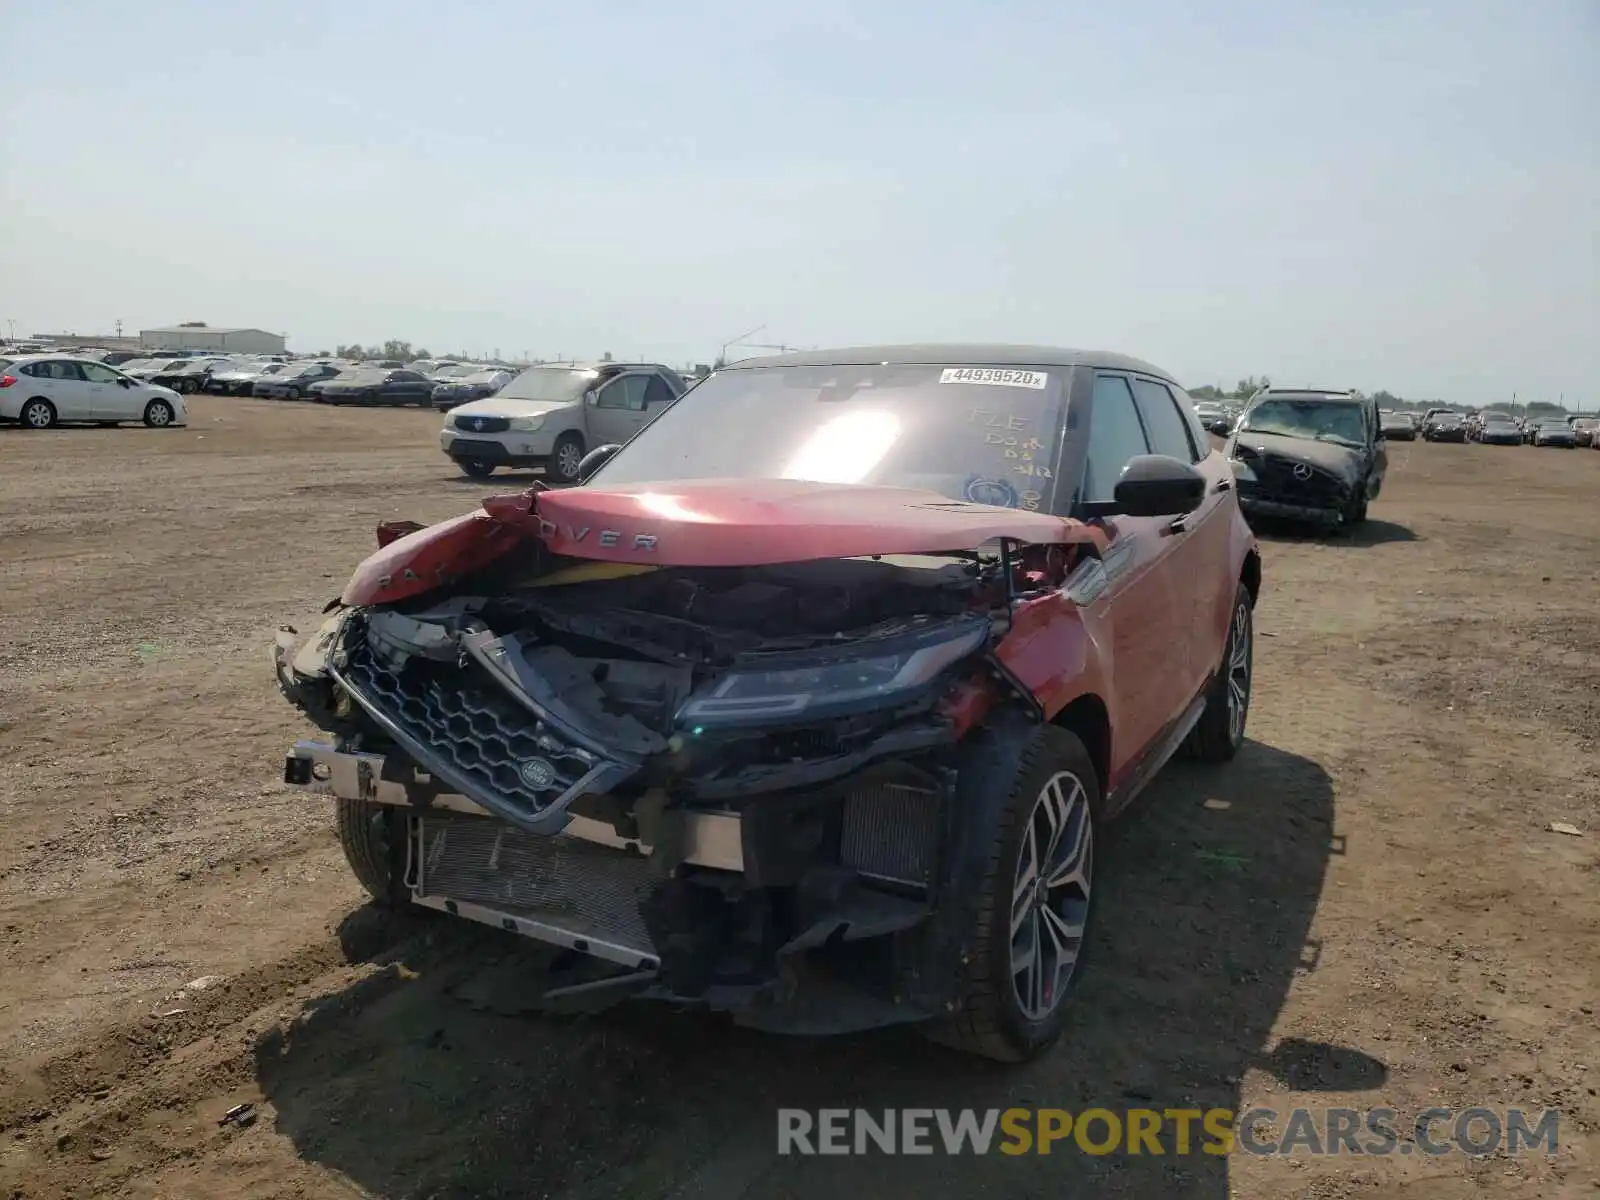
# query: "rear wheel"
1218,734
293,393
477,468
1033,906
37,413
373,839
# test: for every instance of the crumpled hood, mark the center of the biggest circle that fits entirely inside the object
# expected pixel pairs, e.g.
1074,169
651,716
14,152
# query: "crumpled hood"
1343,461
700,523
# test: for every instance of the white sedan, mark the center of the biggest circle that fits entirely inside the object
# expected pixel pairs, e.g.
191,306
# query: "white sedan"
44,390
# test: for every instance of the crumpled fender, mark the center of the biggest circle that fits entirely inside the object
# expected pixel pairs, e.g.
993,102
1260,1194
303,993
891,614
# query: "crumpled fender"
431,557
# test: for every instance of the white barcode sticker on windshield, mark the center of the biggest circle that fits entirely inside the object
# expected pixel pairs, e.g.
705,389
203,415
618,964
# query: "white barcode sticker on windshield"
994,377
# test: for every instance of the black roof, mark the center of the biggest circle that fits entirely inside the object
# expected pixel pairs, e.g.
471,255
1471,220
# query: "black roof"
956,354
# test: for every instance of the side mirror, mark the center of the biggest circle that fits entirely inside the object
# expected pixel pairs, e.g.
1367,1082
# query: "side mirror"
1157,485
595,459
124,381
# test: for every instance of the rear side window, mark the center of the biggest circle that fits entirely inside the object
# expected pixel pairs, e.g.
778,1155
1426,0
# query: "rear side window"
1115,436
1167,427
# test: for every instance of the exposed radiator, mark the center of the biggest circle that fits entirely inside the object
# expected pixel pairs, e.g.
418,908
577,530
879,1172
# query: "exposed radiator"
588,890
891,831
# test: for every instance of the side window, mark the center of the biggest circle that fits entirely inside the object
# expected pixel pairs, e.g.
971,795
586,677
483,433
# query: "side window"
95,373
1167,426
56,370
658,391
1115,436
625,392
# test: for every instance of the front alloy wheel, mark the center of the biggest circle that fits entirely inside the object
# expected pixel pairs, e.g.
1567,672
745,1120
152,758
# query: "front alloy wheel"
1050,896
1028,917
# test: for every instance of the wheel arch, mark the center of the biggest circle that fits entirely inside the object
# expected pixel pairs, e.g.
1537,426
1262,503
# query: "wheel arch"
1250,575
1088,718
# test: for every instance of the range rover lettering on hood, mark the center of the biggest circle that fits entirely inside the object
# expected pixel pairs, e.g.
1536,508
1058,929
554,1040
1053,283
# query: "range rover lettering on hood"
607,538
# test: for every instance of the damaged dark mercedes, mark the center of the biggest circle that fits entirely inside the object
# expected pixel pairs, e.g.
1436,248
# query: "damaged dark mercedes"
808,703
1314,457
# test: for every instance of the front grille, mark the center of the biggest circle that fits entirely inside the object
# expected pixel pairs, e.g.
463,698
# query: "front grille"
891,831
586,890
462,716
1278,481
483,424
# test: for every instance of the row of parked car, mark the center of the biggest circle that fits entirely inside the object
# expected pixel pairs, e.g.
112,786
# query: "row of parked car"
1492,427
441,383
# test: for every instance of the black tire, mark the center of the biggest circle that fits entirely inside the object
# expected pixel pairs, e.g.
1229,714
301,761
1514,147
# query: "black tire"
372,837
1357,512
475,468
37,413
565,457
158,414
1216,737
292,394
989,1019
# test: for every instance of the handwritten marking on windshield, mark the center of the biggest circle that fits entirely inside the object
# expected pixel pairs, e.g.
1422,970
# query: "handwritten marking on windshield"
994,420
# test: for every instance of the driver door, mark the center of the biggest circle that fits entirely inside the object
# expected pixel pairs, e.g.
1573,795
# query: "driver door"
617,410
106,396
1151,616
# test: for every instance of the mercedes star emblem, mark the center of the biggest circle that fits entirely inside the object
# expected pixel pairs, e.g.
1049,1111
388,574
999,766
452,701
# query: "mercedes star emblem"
537,773
1301,471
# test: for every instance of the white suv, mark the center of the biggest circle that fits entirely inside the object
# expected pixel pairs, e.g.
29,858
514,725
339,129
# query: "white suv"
44,390
550,416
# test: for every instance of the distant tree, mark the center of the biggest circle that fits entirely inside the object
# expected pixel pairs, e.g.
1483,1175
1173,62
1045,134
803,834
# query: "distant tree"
354,350
1250,385
422,352
1205,392
1386,399
1544,406
395,348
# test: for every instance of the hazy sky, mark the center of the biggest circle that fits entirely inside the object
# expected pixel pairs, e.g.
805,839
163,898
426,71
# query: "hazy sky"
1366,193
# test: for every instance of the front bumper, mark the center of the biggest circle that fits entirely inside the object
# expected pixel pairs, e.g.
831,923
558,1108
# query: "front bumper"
510,449
1257,506
625,903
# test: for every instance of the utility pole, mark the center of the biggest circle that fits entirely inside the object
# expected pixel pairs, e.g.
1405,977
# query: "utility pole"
722,357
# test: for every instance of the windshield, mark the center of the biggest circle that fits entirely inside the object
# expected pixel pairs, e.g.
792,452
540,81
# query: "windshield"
1498,424
1317,419
561,384
482,377
459,371
365,377
971,433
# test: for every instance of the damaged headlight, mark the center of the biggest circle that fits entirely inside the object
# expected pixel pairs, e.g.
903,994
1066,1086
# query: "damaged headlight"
814,684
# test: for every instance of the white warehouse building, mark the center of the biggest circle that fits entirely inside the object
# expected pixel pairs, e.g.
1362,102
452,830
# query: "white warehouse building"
213,337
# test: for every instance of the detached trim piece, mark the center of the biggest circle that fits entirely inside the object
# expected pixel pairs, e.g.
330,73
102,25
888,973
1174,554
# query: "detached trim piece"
320,769
540,931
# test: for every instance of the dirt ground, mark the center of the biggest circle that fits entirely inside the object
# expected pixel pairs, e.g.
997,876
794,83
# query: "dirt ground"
1378,917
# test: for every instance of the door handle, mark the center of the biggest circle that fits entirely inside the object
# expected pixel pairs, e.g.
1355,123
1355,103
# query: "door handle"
1176,526
1223,485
